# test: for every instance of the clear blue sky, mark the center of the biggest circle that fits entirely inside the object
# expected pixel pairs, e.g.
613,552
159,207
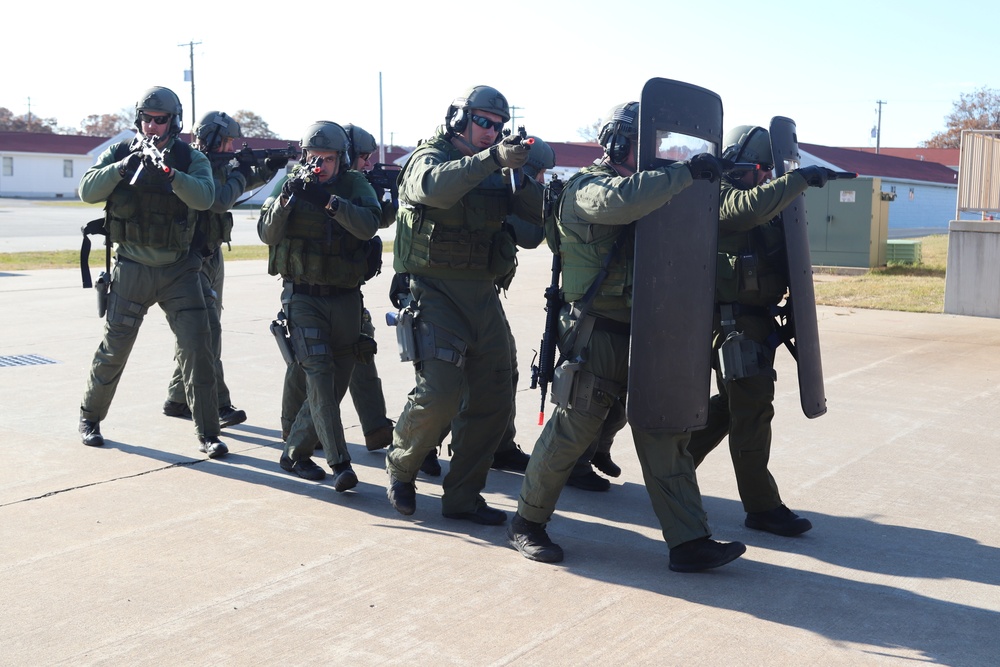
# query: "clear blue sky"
823,64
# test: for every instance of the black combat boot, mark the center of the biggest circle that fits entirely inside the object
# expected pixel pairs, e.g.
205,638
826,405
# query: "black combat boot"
344,477
780,521
175,409
431,466
532,541
231,416
212,446
589,481
402,495
90,433
602,461
704,554
512,459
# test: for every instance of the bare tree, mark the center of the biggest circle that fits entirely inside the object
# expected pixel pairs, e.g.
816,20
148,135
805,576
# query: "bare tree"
252,125
592,131
106,125
979,110
11,123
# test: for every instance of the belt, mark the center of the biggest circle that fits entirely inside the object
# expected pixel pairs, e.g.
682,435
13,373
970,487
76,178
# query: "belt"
612,326
322,290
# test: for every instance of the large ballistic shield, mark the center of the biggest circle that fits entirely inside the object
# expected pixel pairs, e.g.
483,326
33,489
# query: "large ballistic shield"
675,264
801,296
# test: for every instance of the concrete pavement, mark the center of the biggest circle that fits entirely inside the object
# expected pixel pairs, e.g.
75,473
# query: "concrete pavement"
145,552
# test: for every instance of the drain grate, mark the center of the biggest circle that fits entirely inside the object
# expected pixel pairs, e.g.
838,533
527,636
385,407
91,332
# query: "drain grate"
25,360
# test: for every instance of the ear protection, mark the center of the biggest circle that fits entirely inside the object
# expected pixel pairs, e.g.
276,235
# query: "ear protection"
457,117
618,148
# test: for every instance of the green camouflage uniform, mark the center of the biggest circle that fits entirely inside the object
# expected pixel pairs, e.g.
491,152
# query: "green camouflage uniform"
449,239
598,206
744,408
322,259
153,224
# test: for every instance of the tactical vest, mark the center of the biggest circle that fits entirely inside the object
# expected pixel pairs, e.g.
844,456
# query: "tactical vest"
149,213
462,241
582,258
316,250
216,228
760,252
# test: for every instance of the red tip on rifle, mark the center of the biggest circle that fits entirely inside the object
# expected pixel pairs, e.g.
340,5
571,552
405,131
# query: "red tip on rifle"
529,141
541,418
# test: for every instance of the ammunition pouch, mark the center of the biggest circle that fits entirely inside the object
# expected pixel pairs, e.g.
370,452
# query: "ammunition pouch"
419,340
579,390
373,255
503,259
364,350
309,341
741,357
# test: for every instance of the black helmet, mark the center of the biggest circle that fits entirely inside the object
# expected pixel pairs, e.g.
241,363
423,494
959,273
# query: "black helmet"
486,98
361,142
213,129
163,100
621,127
748,143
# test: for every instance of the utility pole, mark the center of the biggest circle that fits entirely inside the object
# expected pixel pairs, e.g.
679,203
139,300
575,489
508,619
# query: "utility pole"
190,77
381,144
513,116
29,112
878,131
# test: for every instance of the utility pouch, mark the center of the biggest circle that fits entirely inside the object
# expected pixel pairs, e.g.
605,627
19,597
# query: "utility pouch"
563,380
747,266
738,357
102,286
279,329
365,349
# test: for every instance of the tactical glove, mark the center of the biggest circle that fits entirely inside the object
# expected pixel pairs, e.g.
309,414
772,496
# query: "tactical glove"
816,176
511,152
246,169
276,163
311,192
704,166
128,166
287,189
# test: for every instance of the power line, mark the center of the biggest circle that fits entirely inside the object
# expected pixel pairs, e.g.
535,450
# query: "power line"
191,46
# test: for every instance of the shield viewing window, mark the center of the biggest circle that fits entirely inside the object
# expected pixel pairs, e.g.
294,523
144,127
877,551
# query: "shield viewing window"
677,146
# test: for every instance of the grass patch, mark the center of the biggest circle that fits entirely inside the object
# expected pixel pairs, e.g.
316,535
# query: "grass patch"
905,287
70,259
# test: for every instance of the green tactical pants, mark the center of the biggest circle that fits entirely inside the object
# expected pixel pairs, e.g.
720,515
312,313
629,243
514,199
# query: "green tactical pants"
614,422
336,320
475,398
177,289
213,276
743,409
365,388
667,468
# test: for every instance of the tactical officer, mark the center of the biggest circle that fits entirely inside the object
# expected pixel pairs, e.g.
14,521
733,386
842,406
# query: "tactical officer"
214,134
509,455
752,278
318,227
453,200
365,386
154,187
594,227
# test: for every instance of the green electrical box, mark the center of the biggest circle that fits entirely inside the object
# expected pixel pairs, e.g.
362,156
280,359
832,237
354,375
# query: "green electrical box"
848,223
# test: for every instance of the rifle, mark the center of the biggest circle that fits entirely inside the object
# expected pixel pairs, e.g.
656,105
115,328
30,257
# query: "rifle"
383,178
520,138
309,173
147,146
253,156
542,374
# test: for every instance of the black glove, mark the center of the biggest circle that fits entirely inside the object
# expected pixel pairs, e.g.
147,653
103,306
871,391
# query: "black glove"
128,166
511,152
288,188
816,176
311,192
704,166
276,163
246,169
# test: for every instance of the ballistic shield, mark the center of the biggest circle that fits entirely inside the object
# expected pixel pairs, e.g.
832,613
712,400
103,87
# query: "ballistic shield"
675,264
801,303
